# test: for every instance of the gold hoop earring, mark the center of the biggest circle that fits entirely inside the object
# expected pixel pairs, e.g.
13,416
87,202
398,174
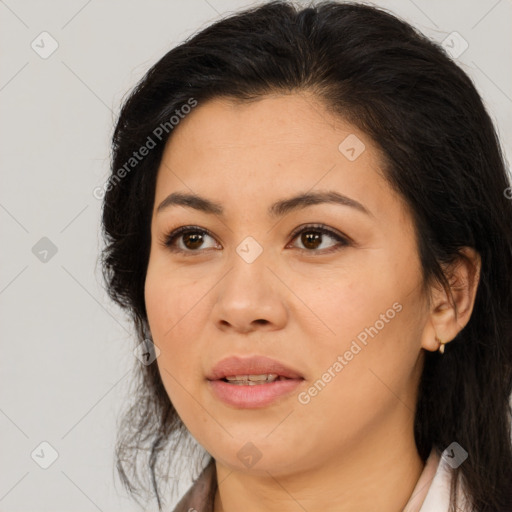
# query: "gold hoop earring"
441,345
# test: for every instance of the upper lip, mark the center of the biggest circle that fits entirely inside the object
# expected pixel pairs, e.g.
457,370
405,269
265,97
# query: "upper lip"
253,365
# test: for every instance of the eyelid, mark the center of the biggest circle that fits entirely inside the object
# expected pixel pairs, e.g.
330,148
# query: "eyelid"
321,228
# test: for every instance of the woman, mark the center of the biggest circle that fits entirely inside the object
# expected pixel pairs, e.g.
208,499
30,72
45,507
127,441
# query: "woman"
308,218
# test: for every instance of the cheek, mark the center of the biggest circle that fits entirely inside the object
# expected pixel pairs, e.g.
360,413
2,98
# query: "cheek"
170,301
371,325
352,309
176,310
171,333
356,384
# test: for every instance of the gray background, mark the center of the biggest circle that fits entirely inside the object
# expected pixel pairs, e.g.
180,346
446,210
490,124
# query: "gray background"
66,351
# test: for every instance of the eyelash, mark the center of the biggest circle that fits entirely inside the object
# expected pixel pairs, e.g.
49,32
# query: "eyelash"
169,239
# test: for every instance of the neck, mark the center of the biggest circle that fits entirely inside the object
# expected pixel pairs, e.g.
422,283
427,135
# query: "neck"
379,474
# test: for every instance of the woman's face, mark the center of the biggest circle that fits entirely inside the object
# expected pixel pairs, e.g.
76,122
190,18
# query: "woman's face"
346,315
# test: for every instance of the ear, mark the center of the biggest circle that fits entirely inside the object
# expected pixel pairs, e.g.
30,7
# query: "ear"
448,316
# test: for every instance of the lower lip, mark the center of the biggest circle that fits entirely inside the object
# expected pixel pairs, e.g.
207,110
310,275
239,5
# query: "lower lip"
259,395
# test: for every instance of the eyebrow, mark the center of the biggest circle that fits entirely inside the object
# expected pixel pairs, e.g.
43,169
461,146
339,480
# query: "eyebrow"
278,209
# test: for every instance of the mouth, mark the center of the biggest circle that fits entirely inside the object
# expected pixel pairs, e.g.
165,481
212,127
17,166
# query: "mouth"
252,382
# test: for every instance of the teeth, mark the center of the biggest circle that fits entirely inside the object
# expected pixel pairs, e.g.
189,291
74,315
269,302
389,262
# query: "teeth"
252,380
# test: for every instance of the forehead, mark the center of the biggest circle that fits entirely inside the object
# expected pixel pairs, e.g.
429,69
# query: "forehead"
298,121
276,146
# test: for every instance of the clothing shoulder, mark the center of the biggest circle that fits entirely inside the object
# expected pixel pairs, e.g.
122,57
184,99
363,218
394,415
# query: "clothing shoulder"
199,498
438,495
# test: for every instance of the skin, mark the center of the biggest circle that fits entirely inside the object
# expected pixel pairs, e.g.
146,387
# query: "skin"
351,447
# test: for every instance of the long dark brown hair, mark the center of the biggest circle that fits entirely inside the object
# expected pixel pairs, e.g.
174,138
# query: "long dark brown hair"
443,157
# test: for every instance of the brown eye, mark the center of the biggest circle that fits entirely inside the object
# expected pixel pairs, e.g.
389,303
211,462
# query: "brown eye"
312,237
310,240
192,239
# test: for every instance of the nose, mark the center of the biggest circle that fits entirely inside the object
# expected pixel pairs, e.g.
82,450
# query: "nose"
250,297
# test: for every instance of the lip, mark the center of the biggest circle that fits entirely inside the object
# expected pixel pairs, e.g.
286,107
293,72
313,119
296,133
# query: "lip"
253,365
259,395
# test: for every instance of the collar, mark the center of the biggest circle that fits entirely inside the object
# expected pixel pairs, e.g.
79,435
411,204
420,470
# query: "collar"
432,491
